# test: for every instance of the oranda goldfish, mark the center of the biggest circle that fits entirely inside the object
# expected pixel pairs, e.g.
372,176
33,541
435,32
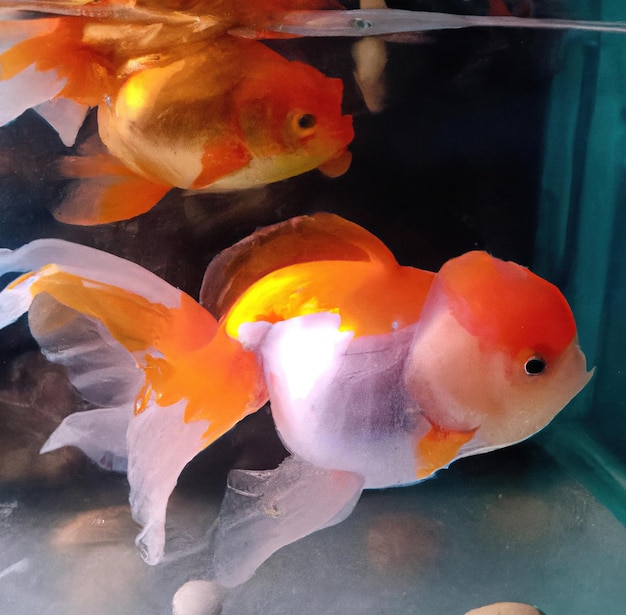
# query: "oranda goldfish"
378,374
181,103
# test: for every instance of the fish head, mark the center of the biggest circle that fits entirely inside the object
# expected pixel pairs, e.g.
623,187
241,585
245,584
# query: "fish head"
292,121
496,352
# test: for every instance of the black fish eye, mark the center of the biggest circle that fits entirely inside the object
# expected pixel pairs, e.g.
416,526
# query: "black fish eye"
306,121
534,366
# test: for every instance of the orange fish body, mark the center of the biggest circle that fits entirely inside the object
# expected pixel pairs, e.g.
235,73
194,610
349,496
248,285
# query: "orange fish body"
378,375
180,102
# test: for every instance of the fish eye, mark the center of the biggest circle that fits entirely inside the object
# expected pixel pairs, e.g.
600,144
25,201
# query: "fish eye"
306,121
303,124
534,366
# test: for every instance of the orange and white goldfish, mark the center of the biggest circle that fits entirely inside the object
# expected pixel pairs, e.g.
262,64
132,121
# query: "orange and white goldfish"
378,374
180,102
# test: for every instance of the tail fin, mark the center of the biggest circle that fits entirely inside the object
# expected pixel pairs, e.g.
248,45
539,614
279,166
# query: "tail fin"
14,31
46,59
65,116
25,90
167,380
56,45
42,62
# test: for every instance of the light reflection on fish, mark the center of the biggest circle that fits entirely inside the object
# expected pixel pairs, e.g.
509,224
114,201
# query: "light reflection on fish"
180,102
378,374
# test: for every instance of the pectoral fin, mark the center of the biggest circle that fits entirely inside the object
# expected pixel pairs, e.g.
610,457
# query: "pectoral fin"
438,448
266,510
220,159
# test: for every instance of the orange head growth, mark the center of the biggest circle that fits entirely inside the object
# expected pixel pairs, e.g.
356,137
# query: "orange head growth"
496,354
506,306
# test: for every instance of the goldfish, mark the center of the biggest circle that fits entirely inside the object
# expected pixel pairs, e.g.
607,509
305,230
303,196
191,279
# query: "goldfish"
378,375
180,102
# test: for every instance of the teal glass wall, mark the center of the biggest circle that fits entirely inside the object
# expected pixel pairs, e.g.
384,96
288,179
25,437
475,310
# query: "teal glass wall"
581,242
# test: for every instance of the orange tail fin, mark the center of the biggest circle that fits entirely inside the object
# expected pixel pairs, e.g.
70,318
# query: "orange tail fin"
180,347
56,46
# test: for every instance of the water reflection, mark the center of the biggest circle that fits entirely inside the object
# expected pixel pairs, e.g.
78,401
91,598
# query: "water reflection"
181,105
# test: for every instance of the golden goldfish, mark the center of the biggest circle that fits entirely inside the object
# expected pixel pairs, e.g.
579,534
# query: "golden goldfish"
378,374
180,102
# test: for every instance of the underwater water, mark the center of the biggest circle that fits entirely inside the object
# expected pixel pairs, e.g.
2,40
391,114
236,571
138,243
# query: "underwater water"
508,526
505,140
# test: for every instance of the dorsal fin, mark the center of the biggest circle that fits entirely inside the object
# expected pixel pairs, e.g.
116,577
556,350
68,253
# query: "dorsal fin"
322,236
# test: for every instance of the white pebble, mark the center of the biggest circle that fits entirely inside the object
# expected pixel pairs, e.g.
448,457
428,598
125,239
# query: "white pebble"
199,598
505,608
